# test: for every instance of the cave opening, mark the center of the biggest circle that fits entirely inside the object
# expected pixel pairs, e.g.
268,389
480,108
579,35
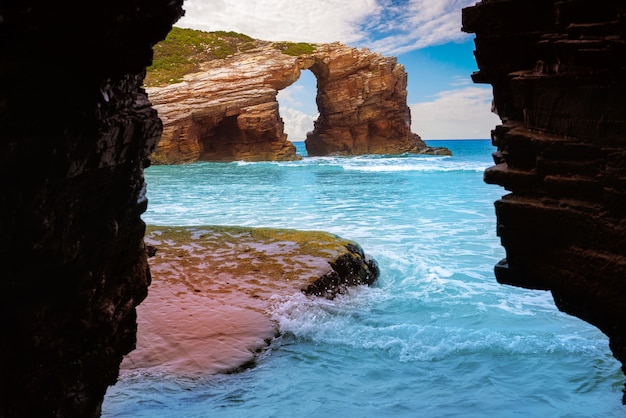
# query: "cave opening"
219,143
298,108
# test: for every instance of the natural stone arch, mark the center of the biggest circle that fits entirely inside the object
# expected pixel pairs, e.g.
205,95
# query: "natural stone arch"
362,106
229,111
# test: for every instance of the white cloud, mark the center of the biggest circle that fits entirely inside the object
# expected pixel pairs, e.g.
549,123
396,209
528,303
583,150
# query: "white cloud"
417,24
458,81
391,27
463,113
297,123
289,96
455,114
277,20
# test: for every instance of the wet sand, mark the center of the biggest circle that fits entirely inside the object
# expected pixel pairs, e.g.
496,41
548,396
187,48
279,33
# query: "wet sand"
207,309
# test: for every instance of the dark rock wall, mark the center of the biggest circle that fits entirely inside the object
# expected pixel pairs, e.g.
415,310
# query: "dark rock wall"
558,71
75,130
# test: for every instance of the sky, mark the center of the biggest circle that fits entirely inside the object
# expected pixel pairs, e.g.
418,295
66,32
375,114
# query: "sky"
425,36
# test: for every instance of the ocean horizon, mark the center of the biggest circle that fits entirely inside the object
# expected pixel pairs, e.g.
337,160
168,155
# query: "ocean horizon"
436,336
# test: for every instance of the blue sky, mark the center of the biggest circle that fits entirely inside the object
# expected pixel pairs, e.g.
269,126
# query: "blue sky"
425,35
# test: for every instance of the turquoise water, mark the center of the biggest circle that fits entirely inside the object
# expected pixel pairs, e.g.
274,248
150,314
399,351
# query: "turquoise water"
437,336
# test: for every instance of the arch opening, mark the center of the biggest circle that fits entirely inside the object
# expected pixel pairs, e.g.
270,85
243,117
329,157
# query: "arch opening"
298,108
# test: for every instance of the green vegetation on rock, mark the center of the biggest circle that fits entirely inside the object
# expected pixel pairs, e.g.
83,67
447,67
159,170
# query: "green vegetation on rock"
295,49
182,51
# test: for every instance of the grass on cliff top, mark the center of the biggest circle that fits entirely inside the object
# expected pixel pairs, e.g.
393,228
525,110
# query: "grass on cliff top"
295,49
183,50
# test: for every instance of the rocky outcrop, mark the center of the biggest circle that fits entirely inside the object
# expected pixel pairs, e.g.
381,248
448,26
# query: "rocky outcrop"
73,143
361,99
214,290
558,70
228,111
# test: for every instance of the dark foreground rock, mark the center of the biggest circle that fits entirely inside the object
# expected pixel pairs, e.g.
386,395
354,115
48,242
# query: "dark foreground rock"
558,71
209,306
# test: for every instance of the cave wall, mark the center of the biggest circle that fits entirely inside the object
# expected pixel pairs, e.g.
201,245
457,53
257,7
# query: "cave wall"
558,71
76,131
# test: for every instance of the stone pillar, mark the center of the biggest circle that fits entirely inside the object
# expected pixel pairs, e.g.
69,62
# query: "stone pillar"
361,98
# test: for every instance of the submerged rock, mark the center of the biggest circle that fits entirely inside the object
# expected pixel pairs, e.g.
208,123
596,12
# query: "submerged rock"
436,151
207,310
350,269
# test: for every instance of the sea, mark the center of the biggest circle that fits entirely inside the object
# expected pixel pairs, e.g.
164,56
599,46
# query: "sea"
437,336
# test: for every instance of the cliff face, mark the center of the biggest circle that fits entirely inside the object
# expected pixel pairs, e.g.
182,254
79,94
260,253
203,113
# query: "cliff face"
558,70
228,111
72,150
362,103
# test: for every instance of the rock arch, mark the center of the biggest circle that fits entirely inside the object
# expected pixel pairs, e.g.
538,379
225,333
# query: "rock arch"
229,111
362,104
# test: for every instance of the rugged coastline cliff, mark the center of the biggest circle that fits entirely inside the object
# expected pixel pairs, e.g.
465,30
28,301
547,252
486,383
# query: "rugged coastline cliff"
72,151
227,110
558,71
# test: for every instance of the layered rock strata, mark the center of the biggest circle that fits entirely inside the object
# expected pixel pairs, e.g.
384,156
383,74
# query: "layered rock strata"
362,105
76,131
558,71
214,288
228,111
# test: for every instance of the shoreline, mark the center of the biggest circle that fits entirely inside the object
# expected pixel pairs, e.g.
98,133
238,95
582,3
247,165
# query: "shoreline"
207,307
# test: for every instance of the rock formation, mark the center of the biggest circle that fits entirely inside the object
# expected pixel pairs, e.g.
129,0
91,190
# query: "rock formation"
228,111
558,71
361,99
75,138
213,288
76,131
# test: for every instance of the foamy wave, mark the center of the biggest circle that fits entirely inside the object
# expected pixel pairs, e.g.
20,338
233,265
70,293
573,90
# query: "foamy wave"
304,316
436,164
360,320
428,167
389,164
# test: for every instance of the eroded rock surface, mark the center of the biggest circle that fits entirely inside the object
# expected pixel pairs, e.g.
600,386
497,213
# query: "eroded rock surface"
210,304
558,70
362,103
228,111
